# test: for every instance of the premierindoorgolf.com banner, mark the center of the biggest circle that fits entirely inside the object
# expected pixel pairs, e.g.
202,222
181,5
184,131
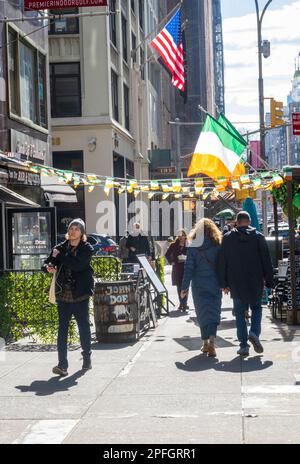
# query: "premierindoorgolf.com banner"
61,4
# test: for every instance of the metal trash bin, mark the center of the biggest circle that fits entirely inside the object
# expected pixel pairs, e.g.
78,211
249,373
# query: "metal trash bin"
116,312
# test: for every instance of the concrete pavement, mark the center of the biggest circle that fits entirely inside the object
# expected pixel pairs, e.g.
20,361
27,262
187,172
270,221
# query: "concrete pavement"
159,390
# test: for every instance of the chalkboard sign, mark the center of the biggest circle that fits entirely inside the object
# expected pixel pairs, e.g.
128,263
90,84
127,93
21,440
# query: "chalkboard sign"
154,279
289,292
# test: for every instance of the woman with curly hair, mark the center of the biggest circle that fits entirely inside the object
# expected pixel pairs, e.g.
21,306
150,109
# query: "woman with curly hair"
200,269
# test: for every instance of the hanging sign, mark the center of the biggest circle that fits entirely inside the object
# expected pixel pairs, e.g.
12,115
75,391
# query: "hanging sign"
296,123
61,4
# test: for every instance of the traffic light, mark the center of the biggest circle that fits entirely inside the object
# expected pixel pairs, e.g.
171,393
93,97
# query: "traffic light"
276,113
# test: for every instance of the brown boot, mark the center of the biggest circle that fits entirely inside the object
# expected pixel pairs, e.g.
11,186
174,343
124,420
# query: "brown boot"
205,347
211,348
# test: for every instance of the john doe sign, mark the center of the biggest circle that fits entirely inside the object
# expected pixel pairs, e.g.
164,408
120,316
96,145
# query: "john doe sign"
61,4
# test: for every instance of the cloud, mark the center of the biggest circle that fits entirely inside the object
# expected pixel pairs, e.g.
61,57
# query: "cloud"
281,28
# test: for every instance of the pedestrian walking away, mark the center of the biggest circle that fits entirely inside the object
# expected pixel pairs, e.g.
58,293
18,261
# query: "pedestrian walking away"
176,255
200,270
137,244
244,269
123,250
71,260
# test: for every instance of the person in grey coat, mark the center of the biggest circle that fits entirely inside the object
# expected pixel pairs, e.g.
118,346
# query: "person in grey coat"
200,269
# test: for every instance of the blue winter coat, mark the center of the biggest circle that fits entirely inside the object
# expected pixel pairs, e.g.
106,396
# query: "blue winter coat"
200,269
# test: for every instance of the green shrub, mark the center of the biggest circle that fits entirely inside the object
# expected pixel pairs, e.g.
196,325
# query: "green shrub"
107,268
161,275
24,305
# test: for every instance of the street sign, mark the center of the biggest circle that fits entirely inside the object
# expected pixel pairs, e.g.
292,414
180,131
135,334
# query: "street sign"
61,4
296,123
167,170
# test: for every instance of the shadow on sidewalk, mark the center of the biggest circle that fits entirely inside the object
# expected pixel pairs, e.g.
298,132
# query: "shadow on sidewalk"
236,365
193,343
178,313
53,385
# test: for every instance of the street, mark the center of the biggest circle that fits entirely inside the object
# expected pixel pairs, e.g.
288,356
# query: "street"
157,391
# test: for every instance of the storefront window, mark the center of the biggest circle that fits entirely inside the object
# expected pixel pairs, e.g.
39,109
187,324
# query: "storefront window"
31,239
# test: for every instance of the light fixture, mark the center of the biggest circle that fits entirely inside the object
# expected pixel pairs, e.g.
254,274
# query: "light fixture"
139,156
116,140
92,144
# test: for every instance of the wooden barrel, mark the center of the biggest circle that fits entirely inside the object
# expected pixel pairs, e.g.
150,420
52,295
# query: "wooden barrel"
116,312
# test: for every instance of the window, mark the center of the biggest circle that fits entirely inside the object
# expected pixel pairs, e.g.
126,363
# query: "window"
42,90
133,39
124,38
13,72
113,22
133,5
27,80
115,95
126,107
141,14
65,90
64,25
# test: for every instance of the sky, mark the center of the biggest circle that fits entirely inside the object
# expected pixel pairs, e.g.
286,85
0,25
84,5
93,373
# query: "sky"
281,28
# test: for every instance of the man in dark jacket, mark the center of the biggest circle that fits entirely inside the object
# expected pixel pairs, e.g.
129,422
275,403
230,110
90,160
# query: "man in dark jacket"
137,244
244,269
73,287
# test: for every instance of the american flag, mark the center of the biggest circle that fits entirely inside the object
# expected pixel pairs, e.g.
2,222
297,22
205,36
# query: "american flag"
168,43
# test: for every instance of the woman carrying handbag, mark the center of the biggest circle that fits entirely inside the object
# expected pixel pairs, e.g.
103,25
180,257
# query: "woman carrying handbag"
176,255
70,263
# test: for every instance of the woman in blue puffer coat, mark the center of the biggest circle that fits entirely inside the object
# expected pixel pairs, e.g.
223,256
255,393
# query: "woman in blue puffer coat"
200,269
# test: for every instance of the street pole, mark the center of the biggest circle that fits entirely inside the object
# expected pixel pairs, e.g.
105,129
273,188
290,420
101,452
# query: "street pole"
261,105
178,148
288,145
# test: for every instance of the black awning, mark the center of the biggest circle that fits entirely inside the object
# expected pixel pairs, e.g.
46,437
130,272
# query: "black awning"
14,199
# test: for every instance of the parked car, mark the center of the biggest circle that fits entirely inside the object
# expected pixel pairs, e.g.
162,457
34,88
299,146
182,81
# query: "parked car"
103,245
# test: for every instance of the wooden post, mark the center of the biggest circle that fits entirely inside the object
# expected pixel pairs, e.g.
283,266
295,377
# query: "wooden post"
276,229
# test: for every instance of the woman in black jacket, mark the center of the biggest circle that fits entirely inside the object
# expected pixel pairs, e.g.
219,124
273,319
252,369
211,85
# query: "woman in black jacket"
73,287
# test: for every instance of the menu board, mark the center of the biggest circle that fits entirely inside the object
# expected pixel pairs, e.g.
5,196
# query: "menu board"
289,291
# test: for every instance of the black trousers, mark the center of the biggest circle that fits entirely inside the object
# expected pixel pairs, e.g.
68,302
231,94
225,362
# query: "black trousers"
81,313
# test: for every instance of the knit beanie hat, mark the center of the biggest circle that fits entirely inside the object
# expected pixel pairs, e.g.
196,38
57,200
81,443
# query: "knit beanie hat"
78,223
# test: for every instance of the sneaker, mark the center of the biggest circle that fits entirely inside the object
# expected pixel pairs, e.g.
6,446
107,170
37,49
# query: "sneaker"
258,348
60,371
87,364
243,351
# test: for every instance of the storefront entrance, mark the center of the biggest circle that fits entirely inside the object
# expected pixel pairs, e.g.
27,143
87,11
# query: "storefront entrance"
31,236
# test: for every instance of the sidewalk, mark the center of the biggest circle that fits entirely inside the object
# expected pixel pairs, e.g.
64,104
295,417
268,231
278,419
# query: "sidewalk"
160,390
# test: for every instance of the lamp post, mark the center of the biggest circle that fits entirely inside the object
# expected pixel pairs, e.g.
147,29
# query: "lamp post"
259,18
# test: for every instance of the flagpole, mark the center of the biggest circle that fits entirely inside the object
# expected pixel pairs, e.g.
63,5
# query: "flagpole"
133,52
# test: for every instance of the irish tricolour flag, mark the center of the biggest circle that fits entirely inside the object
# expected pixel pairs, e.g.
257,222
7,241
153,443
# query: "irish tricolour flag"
219,150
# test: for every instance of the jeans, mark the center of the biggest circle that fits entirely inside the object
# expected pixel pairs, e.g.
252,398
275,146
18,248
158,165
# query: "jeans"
208,331
182,301
81,314
242,330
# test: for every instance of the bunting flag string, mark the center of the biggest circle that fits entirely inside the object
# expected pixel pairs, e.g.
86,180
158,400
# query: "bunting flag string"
179,188
198,187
